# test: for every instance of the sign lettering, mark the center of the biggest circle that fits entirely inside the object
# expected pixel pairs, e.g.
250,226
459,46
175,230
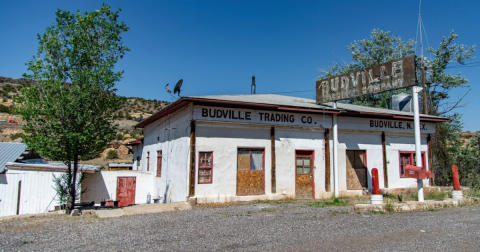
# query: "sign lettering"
372,80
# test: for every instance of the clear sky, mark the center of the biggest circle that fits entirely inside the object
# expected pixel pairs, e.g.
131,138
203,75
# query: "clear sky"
216,46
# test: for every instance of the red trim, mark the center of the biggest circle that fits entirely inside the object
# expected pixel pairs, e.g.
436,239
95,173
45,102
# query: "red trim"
411,161
205,167
312,168
135,142
159,164
52,169
185,101
250,165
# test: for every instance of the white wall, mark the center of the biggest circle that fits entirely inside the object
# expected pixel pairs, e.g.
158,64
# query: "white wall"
401,142
287,141
37,192
224,140
103,185
371,141
171,135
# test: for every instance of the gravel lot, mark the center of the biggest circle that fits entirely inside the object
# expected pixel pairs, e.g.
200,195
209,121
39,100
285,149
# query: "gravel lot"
250,227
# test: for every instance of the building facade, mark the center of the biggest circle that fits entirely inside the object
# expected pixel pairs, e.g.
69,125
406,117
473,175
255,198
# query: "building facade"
248,147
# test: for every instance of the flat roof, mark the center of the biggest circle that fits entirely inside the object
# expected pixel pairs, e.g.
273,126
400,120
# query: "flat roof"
52,166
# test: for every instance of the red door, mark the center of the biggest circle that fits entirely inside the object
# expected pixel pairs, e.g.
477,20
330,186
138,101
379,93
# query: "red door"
126,190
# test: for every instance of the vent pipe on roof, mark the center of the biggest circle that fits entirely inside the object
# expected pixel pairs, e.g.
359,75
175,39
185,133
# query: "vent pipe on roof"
253,84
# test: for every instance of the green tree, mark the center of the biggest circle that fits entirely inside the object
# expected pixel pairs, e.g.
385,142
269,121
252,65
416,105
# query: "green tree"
69,110
382,47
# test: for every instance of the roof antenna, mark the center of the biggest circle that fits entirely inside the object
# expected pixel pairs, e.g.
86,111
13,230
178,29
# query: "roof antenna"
169,91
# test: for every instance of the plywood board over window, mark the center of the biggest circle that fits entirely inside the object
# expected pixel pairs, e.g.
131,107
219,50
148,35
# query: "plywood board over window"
250,172
356,169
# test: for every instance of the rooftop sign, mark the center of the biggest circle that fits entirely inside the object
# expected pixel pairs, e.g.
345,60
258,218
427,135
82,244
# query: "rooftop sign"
391,75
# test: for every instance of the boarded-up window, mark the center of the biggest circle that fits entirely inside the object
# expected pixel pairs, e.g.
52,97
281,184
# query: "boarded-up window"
408,158
356,169
205,167
250,172
159,163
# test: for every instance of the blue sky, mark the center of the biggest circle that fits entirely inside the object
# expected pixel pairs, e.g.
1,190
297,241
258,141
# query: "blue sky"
216,46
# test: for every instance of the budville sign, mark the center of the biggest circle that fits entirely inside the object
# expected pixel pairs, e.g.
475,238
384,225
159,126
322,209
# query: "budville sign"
391,75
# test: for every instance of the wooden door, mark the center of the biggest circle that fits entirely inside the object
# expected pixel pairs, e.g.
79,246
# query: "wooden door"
304,175
126,190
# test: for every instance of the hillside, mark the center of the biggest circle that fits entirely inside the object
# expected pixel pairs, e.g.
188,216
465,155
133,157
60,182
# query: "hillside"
132,109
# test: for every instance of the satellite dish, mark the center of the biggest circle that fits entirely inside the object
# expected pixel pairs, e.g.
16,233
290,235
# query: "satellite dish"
177,87
168,89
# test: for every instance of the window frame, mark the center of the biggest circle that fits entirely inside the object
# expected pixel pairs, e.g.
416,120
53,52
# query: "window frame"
200,167
148,160
411,160
250,157
159,164
364,158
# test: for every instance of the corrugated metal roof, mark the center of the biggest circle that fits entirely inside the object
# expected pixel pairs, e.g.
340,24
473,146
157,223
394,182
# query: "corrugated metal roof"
283,100
9,152
53,166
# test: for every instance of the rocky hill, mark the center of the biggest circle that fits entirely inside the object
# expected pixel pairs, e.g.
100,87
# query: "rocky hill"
132,109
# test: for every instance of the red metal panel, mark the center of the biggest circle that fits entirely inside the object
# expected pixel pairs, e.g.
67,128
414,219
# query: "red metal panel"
126,190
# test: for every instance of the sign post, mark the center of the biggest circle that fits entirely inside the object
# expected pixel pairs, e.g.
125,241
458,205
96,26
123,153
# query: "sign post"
418,153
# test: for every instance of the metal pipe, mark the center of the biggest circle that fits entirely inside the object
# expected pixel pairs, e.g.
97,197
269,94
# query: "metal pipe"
253,85
418,153
335,153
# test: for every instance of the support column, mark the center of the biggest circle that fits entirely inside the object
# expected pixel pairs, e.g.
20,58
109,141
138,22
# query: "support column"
335,154
430,157
327,161
385,170
191,188
18,196
418,153
272,143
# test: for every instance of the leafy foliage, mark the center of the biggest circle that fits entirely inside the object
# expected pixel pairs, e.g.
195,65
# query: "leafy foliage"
61,186
382,47
70,109
112,154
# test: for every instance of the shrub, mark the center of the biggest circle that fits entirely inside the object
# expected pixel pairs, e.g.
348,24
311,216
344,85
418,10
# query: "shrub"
119,136
16,135
4,100
112,154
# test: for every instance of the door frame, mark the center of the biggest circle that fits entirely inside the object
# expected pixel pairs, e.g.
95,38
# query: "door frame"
135,192
364,167
312,168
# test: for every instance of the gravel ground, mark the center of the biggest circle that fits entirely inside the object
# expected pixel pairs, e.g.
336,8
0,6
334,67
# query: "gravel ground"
250,227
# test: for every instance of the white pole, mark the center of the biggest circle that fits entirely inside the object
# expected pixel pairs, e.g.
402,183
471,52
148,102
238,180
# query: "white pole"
418,153
335,153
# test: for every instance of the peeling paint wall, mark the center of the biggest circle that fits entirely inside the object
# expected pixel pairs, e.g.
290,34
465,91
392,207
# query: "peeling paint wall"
287,141
103,185
224,140
371,141
37,193
171,135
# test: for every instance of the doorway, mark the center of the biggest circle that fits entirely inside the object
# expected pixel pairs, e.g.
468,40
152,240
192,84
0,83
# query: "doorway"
304,181
126,190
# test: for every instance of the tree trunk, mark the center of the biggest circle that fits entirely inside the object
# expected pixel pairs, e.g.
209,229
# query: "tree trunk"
73,184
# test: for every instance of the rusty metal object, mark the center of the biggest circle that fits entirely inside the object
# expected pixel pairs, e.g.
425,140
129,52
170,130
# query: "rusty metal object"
375,182
455,178
391,75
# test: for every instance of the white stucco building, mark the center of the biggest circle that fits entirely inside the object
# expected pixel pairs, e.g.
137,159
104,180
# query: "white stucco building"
247,147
